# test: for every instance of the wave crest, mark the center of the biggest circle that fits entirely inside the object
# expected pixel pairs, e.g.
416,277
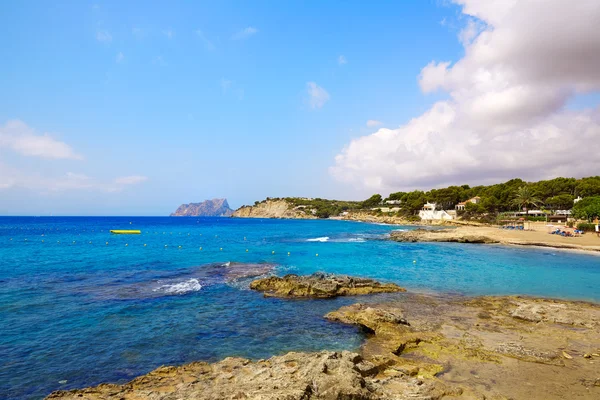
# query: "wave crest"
319,239
191,285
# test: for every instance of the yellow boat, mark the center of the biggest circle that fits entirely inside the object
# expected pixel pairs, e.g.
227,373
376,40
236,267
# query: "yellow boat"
125,231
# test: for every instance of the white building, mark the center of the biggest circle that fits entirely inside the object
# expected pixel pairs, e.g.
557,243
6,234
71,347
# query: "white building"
461,206
428,212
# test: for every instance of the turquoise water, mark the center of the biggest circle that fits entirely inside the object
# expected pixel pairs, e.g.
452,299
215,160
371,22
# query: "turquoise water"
86,313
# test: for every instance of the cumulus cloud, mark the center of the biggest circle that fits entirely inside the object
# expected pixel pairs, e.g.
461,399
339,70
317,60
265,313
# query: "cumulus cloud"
373,122
20,138
244,33
342,60
317,96
103,37
506,113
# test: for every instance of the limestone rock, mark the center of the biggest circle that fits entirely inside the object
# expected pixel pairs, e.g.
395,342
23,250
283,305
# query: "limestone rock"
439,235
320,286
208,208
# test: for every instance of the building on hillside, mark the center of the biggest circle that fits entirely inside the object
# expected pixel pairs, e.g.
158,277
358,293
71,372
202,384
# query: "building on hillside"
429,206
429,213
393,202
577,200
462,205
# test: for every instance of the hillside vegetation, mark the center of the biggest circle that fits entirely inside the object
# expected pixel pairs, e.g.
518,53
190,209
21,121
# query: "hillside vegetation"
554,194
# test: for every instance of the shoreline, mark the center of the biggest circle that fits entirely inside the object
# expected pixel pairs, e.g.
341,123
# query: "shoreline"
424,345
536,238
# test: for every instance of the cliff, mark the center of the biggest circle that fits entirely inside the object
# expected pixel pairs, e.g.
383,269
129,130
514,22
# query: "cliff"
208,208
273,209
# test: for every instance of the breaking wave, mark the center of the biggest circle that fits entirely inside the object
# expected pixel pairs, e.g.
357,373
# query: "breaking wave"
191,285
319,239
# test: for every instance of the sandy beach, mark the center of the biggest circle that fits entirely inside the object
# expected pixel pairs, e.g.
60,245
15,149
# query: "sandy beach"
534,234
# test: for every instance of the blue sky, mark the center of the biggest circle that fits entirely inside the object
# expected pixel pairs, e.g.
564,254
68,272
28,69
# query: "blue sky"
161,103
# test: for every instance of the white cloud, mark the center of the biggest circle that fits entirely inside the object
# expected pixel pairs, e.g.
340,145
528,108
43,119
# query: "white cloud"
169,33
317,96
373,122
244,33
103,37
207,43
506,113
22,139
120,58
342,60
131,180
41,182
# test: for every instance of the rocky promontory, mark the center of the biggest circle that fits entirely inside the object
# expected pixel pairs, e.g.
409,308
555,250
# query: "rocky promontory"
208,208
273,209
320,286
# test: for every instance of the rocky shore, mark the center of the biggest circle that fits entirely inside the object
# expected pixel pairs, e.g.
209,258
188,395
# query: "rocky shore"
320,286
416,347
441,235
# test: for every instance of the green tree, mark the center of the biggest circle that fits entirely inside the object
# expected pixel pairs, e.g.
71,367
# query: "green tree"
588,208
524,197
490,204
372,201
560,202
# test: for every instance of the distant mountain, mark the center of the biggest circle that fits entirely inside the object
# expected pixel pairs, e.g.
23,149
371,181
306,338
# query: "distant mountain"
208,208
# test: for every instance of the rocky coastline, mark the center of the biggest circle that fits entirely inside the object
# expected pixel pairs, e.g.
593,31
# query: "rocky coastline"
416,347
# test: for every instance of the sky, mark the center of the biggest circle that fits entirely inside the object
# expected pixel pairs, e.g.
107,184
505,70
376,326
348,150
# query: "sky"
132,108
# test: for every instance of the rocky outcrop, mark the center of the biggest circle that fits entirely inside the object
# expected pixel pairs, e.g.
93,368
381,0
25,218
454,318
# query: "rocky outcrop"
416,347
295,376
440,235
321,286
208,208
496,347
272,209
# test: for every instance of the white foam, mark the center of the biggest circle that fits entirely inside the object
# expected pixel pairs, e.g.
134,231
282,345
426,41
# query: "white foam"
319,239
191,285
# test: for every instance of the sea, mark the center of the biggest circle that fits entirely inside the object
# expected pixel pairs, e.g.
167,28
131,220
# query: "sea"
80,306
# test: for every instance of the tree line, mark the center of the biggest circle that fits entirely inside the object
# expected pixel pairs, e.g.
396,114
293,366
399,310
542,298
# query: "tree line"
553,194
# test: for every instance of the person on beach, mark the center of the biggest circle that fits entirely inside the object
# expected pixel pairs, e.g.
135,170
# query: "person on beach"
597,230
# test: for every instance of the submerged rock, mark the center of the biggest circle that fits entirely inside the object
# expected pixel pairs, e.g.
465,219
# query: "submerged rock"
321,286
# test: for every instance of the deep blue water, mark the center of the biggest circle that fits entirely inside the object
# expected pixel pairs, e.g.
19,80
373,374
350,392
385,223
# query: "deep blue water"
75,309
